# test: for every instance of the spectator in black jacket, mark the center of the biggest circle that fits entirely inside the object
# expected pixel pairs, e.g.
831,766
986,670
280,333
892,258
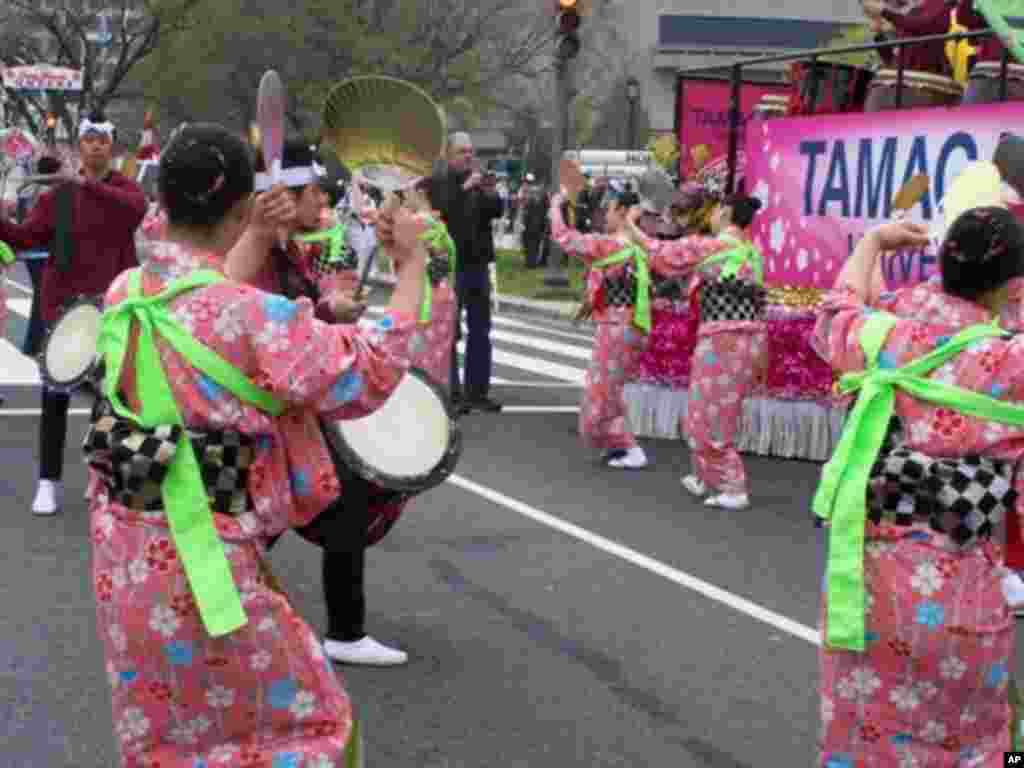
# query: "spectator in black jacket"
469,205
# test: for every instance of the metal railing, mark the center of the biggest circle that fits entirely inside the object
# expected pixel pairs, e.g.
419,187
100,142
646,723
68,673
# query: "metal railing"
816,55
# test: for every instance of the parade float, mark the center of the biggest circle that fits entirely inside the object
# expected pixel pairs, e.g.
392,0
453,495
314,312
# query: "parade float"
826,155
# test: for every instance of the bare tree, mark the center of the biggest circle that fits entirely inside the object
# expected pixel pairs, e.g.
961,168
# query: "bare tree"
64,33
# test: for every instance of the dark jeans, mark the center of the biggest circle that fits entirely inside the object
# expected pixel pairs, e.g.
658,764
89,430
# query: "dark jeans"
473,286
53,432
36,329
341,531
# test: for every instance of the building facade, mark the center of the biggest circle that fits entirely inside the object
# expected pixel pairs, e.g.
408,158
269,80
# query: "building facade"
671,36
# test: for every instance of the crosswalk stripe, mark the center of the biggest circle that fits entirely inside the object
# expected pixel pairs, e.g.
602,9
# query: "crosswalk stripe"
582,338
22,307
544,345
534,365
16,368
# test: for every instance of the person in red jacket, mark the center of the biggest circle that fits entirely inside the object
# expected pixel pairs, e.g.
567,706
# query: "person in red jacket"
914,19
87,222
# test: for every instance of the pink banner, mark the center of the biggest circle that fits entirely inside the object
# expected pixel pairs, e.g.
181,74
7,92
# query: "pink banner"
704,115
825,180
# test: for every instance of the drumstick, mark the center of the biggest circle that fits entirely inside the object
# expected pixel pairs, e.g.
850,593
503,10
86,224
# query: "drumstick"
910,193
366,273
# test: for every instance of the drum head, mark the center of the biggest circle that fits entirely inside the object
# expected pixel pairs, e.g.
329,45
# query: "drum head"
69,353
409,443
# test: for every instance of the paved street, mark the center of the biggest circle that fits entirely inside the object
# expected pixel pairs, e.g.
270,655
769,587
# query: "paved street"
557,613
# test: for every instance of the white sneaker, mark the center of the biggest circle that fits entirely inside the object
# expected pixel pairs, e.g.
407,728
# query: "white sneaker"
635,458
366,652
694,485
729,501
1013,591
47,500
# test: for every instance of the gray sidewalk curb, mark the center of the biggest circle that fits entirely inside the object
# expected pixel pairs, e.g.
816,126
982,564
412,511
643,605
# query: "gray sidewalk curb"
528,307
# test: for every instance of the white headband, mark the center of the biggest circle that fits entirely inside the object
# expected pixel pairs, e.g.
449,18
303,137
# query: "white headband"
292,177
107,128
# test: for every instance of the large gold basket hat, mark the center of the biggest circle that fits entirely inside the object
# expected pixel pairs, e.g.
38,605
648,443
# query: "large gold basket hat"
387,130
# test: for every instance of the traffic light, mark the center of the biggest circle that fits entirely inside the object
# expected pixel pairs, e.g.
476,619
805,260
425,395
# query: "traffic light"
568,14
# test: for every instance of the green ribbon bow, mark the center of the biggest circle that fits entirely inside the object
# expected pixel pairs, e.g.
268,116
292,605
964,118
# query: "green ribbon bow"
184,493
7,256
842,493
335,237
735,258
437,238
642,310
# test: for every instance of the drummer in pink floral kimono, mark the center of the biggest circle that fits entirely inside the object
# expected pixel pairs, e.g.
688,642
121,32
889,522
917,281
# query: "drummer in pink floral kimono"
204,447
918,639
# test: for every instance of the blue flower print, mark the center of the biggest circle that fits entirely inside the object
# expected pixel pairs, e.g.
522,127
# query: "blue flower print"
264,443
919,536
997,390
942,341
886,359
128,675
286,760
996,675
210,388
839,761
300,483
281,693
386,323
278,309
931,615
348,388
710,358
179,654
901,738
871,637
200,763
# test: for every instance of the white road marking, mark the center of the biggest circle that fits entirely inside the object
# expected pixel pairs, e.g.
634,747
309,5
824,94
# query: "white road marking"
16,368
710,591
580,337
540,409
22,307
38,411
19,286
544,345
534,384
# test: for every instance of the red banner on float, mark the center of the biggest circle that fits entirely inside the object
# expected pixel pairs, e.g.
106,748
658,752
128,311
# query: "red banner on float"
704,116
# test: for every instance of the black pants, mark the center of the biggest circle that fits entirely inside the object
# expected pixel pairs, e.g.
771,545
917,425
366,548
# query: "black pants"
53,432
36,329
473,287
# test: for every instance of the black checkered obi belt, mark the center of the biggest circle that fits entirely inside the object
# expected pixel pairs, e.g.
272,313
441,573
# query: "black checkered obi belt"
439,267
134,461
620,290
732,299
963,497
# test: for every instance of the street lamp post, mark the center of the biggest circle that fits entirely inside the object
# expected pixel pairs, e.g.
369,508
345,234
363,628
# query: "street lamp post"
632,94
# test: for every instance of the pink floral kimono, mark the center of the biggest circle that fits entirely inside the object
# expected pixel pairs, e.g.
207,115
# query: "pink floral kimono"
618,342
930,688
727,362
263,695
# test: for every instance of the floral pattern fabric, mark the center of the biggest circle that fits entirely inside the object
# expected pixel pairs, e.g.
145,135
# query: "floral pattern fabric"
930,690
618,343
728,363
725,369
263,695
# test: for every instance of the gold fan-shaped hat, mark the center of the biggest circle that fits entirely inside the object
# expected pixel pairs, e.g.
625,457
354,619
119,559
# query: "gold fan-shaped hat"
387,130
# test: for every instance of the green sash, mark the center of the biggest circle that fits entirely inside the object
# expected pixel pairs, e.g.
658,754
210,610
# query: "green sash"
735,258
184,494
642,310
842,492
334,237
436,238
6,255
